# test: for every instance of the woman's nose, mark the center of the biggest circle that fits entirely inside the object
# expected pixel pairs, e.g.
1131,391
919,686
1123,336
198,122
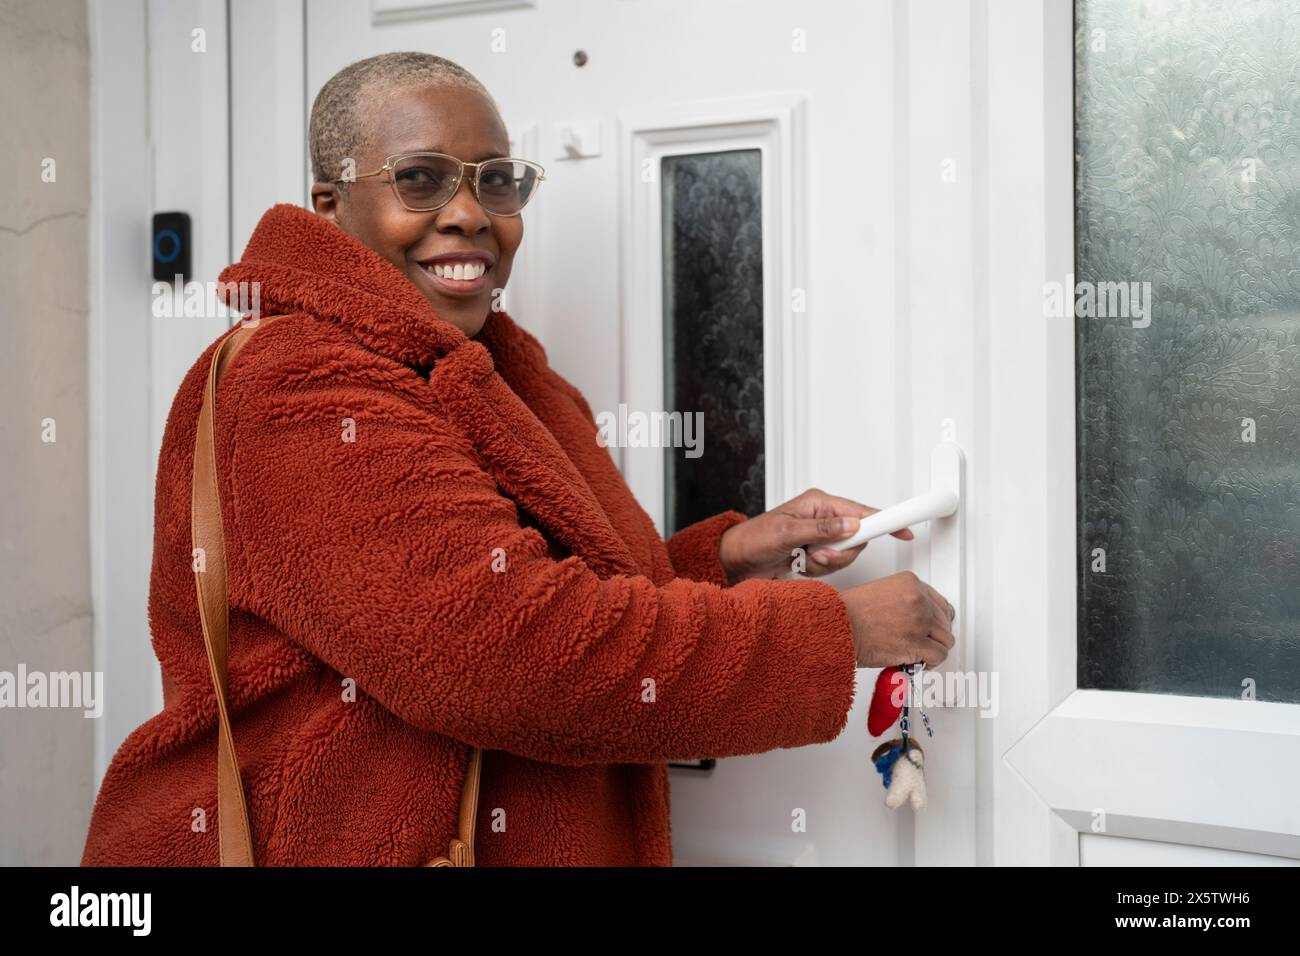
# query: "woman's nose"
463,210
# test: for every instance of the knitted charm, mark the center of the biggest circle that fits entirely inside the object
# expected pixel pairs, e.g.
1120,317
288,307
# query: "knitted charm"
902,765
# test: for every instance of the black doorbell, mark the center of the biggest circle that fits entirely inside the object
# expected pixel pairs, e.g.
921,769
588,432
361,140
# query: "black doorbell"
171,246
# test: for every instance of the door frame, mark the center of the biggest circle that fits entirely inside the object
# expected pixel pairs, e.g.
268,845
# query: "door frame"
118,342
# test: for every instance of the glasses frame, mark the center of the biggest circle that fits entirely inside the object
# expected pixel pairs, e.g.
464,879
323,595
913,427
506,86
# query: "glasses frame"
461,166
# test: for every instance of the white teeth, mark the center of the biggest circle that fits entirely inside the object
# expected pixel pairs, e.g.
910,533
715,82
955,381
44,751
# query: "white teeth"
459,270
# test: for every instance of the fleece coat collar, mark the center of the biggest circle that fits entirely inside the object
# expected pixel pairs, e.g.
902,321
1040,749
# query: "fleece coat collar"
303,263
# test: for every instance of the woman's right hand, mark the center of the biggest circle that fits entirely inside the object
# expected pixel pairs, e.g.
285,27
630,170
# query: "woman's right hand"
899,620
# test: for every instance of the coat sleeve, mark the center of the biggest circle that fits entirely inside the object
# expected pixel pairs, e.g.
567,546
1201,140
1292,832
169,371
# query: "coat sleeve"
694,549
395,559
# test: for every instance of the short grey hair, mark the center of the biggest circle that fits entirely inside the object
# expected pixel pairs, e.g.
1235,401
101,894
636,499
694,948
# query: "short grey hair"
338,116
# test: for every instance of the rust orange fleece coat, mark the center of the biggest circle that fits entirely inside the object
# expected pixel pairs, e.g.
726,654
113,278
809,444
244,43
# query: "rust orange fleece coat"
372,560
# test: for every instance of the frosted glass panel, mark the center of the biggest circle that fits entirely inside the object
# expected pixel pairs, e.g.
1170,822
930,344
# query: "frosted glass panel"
1187,121
713,331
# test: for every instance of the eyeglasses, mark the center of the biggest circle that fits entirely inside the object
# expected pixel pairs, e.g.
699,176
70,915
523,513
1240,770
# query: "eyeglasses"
424,182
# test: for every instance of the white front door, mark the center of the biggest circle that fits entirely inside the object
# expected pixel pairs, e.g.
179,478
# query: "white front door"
830,226
715,234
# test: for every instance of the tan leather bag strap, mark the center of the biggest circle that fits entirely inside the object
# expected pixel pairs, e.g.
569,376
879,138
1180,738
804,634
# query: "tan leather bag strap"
462,848
211,583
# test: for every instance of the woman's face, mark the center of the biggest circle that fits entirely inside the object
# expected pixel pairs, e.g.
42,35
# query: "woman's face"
438,119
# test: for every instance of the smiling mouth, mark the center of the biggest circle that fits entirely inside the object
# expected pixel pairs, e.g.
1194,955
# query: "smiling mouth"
459,276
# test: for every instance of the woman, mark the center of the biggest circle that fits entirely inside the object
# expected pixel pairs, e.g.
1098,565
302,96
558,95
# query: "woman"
430,551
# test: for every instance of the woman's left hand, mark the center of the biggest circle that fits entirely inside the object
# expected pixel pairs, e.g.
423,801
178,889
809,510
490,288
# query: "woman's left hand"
763,547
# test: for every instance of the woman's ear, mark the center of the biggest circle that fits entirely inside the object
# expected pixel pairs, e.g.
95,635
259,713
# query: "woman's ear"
325,201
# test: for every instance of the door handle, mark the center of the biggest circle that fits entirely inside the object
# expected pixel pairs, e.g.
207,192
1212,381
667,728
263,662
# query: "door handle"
942,507
943,500
939,503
